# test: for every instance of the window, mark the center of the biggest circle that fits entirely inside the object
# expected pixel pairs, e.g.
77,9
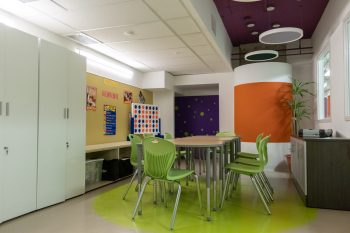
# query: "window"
347,80
324,86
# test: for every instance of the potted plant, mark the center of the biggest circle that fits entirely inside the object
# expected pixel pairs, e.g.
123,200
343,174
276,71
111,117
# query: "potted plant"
297,103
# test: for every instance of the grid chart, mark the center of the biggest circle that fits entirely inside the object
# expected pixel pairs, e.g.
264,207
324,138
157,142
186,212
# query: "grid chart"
145,118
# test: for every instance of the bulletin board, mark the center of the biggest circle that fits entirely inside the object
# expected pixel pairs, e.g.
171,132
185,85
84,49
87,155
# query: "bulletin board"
145,118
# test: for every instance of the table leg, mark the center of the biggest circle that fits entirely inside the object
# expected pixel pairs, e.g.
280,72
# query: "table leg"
215,177
208,182
221,171
139,173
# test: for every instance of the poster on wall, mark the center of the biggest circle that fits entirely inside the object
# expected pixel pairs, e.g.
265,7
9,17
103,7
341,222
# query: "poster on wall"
127,97
110,115
145,118
91,96
142,99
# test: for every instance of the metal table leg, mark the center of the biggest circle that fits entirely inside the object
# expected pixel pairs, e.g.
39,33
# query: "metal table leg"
139,174
208,182
215,177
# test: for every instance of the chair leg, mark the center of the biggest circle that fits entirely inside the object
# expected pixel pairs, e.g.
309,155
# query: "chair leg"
175,207
261,186
267,181
233,184
225,188
155,191
266,186
260,194
145,182
130,183
199,192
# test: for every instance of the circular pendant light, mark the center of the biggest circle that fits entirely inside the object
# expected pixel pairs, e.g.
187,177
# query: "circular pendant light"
261,55
281,35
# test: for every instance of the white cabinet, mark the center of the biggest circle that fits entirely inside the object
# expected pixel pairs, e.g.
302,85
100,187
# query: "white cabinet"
19,117
298,149
61,155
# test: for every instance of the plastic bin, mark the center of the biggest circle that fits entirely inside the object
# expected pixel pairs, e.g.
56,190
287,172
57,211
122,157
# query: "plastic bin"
93,171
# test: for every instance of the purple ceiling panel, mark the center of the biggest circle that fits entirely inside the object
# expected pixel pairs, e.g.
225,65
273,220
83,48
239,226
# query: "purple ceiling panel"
304,14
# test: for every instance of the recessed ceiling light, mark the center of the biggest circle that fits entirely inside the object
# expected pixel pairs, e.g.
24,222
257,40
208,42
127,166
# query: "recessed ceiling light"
276,25
281,35
129,33
250,25
261,55
254,33
270,8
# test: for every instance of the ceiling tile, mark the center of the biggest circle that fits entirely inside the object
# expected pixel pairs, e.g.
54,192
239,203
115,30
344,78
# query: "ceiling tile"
130,33
102,16
195,39
162,54
211,58
174,62
203,50
183,26
168,9
148,45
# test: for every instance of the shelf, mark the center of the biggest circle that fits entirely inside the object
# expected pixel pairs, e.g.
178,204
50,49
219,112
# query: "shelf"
103,183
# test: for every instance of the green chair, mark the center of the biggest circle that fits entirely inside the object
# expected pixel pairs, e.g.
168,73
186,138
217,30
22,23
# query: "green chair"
148,135
251,155
135,139
226,134
159,157
253,172
168,136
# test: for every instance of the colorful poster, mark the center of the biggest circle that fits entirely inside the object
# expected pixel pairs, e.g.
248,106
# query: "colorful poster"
142,99
91,96
146,118
127,97
110,115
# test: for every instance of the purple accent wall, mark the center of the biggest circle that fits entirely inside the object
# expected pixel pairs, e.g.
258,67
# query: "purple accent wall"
196,115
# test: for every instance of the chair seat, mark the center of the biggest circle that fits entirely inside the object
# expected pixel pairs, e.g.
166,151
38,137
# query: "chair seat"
248,161
244,168
247,155
135,164
178,174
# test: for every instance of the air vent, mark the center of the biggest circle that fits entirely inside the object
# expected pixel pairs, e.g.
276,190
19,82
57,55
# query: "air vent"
83,39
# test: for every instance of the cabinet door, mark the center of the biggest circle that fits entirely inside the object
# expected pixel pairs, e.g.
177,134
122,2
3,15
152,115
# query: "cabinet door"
295,160
21,85
302,166
76,124
2,113
52,125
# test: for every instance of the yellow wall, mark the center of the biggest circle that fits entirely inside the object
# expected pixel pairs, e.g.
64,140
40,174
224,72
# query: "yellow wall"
95,119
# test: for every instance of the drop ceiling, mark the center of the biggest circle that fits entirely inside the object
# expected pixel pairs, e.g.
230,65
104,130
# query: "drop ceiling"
304,14
155,34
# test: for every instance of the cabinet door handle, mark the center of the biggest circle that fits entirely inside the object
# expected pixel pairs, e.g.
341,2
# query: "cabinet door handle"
67,144
7,109
67,113
6,150
0,108
64,113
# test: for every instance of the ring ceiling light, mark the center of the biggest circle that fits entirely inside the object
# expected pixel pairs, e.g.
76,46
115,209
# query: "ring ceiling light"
261,55
281,35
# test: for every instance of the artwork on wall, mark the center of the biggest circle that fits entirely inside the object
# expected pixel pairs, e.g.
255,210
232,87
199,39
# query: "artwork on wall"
196,115
142,99
145,118
109,94
127,97
110,116
91,96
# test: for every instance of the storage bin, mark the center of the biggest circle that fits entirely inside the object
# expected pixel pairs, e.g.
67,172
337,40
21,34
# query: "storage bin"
110,169
125,167
93,171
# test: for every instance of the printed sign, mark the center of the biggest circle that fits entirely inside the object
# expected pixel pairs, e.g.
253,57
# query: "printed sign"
110,113
91,96
127,97
109,94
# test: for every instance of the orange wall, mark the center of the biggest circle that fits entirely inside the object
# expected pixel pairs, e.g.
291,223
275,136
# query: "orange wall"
258,108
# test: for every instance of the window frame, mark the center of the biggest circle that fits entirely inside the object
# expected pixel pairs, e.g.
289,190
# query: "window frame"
320,102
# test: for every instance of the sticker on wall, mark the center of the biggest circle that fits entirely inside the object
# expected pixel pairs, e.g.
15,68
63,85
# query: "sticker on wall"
110,115
109,94
146,118
91,96
142,99
127,97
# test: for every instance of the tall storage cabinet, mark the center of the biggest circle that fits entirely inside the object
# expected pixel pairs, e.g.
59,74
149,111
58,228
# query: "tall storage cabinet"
18,119
61,155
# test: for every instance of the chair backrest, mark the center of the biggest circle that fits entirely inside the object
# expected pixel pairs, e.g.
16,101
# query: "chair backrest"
168,136
159,156
226,134
148,135
135,139
263,156
258,139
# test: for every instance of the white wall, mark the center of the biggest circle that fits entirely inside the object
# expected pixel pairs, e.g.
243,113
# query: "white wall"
165,99
200,92
330,33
